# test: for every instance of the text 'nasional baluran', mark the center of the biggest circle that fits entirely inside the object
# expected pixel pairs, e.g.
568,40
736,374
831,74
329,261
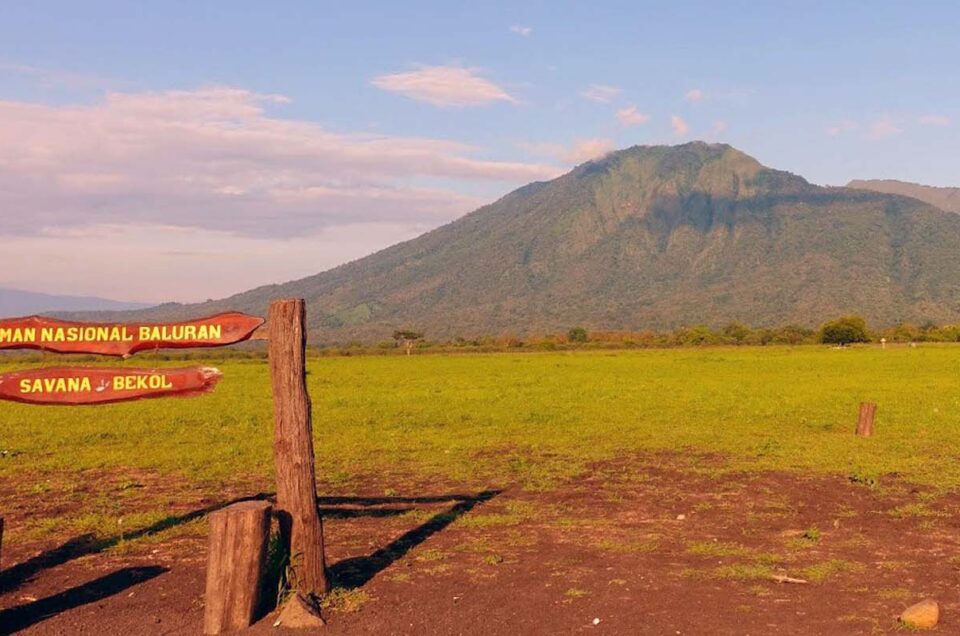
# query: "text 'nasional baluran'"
123,339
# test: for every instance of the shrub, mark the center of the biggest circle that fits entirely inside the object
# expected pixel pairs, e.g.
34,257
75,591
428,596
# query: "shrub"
844,331
577,334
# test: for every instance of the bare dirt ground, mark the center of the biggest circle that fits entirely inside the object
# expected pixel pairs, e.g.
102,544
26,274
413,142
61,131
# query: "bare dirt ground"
652,544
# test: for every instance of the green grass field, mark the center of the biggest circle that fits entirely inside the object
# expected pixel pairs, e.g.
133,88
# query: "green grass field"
528,419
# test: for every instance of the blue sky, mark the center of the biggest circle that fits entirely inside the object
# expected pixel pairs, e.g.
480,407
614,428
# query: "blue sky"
261,142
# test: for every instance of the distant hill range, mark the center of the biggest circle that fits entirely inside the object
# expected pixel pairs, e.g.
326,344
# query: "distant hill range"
944,198
14,302
647,237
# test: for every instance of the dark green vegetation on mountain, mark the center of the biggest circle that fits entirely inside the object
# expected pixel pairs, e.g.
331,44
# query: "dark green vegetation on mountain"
648,237
947,199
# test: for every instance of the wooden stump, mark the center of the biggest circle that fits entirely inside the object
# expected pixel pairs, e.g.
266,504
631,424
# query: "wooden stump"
300,527
865,424
239,535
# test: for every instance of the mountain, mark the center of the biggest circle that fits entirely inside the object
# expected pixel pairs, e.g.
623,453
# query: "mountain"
647,237
14,302
947,199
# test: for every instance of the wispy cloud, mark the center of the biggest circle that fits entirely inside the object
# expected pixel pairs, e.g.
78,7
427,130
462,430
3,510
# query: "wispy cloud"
214,158
883,127
845,126
581,150
719,127
694,96
58,78
630,116
934,120
601,93
84,260
679,126
521,30
588,149
445,86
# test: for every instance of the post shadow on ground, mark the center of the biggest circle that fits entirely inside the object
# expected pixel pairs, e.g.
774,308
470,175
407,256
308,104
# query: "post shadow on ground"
348,573
22,616
357,571
86,544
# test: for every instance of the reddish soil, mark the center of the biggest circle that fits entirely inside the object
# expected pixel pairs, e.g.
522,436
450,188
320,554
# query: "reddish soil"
647,545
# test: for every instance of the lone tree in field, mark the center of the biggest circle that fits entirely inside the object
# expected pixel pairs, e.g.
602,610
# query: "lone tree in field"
408,338
844,331
577,334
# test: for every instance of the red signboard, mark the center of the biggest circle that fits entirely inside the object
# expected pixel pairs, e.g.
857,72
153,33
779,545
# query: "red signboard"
78,385
124,339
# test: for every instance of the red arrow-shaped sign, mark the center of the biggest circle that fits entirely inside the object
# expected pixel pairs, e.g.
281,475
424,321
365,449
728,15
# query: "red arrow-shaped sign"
124,339
78,385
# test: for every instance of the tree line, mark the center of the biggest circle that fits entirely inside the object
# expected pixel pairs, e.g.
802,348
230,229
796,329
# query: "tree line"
842,331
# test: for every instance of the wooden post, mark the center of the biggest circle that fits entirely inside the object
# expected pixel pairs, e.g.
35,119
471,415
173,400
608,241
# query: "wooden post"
865,424
236,561
1,543
300,527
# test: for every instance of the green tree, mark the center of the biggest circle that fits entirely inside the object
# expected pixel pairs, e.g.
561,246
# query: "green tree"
844,331
577,334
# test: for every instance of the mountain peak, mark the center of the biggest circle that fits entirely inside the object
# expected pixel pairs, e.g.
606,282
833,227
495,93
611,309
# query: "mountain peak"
694,168
646,237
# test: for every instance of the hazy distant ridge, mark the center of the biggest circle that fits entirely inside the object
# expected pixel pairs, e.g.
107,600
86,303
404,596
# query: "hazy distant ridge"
15,302
947,199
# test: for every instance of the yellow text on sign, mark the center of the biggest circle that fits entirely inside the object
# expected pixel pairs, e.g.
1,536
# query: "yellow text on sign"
140,382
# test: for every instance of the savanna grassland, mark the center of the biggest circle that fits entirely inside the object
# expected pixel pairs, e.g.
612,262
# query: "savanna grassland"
527,418
577,454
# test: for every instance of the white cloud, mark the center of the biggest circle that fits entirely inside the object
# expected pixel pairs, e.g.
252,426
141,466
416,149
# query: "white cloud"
679,126
719,127
630,116
588,149
601,93
215,159
581,150
694,95
935,120
444,86
521,30
883,127
181,183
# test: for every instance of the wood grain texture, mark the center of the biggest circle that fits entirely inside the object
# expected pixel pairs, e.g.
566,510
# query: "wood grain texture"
868,411
239,535
300,526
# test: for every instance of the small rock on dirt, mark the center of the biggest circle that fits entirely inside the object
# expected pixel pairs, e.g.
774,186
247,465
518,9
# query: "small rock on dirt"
299,612
923,615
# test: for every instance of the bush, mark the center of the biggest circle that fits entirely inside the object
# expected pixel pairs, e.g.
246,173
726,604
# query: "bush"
577,334
737,333
844,331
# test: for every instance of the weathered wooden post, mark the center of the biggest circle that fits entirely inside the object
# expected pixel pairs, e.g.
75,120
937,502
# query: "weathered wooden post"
1,543
239,535
865,424
301,530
